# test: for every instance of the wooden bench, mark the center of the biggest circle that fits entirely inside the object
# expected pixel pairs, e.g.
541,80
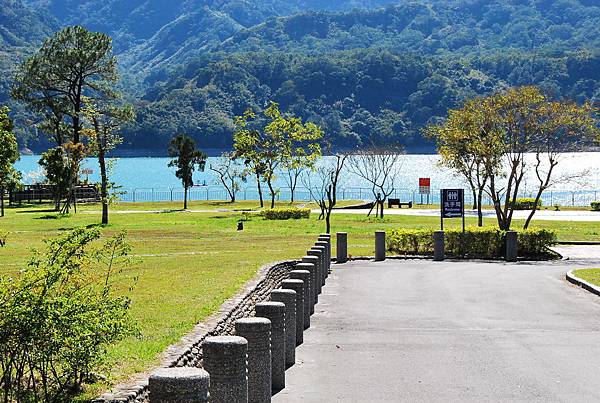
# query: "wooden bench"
397,202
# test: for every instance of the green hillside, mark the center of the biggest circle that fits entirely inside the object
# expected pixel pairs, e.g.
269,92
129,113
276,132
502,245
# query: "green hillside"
363,71
357,96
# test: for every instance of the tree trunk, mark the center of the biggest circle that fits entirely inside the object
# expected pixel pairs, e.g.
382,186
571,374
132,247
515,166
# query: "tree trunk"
476,200
272,193
293,187
1,201
103,185
479,208
185,194
538,196
328,221
260,195
232,193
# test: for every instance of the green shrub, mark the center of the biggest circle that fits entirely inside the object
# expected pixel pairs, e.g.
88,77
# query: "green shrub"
59,315
286,213
526,204
595,205
410,241
535,242
476,242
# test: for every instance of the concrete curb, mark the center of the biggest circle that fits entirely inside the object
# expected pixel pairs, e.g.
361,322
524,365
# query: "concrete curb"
571,278
578,243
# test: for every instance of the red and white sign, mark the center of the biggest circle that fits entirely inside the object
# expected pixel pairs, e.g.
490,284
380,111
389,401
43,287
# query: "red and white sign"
424,186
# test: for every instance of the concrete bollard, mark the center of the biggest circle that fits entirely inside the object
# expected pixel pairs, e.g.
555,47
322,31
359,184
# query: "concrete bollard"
341,247
439,253
275,312
298,286
327,238
319,283
225,359
321,249
304,275
178,385
288,298
326,259
258,333
379,246
314,262
512,246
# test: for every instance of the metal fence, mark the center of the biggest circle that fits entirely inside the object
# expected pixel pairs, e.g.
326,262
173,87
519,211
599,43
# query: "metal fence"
549,198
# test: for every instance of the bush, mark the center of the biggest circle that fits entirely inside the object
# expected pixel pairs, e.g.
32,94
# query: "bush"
59,315
476,242
535,242
595,205
286,213
526,204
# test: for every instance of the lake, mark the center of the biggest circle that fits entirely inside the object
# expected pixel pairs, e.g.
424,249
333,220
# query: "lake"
150,179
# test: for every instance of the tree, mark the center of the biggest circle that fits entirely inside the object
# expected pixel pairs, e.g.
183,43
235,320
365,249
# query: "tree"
230,172
73,67
59,165
106,122
564,127
9,154
187,157
323,184
282,139
500,131
380,167
459,153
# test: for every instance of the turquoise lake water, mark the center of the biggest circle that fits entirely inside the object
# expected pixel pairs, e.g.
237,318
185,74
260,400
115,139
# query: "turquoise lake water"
150,178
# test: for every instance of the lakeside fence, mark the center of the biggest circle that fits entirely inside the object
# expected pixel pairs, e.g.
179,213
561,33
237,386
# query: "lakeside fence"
579,198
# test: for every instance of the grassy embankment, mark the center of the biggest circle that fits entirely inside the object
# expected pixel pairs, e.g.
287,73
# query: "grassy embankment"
187,264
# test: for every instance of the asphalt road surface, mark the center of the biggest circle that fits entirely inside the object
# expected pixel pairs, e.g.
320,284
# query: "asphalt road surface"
419,331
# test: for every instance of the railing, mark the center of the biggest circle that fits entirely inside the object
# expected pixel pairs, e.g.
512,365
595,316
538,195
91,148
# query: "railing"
549,198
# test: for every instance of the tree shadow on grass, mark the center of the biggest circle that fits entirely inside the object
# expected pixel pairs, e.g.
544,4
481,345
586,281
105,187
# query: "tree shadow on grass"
36,211
52,217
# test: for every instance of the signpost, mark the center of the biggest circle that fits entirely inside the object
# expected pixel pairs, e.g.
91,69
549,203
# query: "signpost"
87,172
452,205
424,188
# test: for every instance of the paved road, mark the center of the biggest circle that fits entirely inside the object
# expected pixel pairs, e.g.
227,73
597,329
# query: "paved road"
419,331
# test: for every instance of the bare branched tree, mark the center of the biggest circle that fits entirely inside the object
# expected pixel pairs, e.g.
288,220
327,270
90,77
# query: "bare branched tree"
323,185
231,172
380,167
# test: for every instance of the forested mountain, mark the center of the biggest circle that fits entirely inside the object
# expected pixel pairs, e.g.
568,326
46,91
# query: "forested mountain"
442,27
21,30
357,96
421,60
364,69
163,33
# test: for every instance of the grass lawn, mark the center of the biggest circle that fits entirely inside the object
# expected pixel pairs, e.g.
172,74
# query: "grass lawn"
589,275
187,264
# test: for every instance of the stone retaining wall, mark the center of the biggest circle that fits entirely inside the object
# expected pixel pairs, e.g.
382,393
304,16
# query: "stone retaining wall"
188,352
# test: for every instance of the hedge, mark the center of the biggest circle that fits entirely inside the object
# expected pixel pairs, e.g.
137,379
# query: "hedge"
526,203
595,205
286,213
476,242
